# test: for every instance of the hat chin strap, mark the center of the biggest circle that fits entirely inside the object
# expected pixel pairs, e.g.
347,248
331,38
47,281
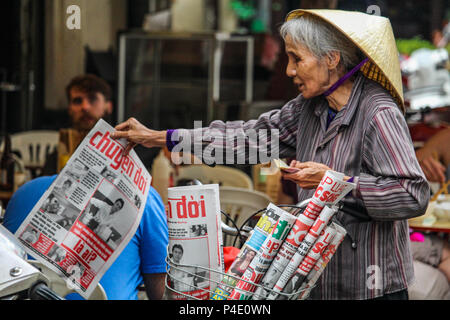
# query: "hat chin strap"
344,78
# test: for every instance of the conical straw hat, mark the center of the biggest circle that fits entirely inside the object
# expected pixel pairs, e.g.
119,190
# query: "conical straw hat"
373,35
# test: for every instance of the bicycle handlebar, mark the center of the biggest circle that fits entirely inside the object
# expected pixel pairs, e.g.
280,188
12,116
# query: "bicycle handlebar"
40,291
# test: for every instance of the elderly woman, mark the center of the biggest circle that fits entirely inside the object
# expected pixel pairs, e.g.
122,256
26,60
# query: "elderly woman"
348,118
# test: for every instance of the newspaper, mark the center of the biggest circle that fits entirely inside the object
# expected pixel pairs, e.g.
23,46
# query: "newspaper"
261,231
302,251
195,240
331,189
299,276
319,267
315,273
90,212
255,271
295,237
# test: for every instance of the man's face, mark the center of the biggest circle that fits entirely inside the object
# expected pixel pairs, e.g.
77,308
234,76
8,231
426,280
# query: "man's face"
66,186
54,203
177,253
85,110
116,206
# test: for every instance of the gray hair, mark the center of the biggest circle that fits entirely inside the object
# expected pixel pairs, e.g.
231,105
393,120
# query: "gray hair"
320,38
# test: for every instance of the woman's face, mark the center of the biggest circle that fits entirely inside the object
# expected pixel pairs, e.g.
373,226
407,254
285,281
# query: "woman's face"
250,255
310,75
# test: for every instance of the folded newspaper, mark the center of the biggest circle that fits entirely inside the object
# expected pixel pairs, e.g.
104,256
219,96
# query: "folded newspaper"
283,247
290,254
298,276
318,268
246,286
195,241
329,192
90,212
264,227
284,272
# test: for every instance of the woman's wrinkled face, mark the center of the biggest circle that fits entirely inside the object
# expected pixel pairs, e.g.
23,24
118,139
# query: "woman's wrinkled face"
310,75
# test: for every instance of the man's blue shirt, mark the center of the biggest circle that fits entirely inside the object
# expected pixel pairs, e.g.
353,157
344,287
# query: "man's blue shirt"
145,253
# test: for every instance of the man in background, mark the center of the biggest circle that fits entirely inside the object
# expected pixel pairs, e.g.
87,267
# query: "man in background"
434,156
90,99
432,249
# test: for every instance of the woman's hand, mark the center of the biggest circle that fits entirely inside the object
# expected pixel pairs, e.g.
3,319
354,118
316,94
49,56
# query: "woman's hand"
137,133
309,175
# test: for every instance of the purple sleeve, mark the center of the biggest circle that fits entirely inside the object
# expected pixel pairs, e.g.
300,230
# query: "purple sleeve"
169,143
350,194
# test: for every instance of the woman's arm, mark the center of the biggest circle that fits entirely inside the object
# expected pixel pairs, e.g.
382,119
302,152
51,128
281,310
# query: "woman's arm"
391,184
272,135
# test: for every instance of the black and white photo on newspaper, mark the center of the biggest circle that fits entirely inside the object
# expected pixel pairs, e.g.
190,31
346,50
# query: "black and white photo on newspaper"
90,212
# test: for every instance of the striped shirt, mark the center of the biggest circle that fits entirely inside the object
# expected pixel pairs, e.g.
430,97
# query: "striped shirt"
369,140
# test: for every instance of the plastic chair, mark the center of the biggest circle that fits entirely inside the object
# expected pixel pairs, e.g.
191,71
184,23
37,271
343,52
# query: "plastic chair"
20,172
222,175
240,204
269,184
34,147
254,109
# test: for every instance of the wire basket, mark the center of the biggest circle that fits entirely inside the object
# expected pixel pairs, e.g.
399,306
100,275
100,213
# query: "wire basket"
198,287
194,282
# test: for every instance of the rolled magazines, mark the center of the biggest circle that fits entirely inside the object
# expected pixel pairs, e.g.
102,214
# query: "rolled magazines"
294,284
195,241
302,250
289,247
319,267
332,188
255,271
261,231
